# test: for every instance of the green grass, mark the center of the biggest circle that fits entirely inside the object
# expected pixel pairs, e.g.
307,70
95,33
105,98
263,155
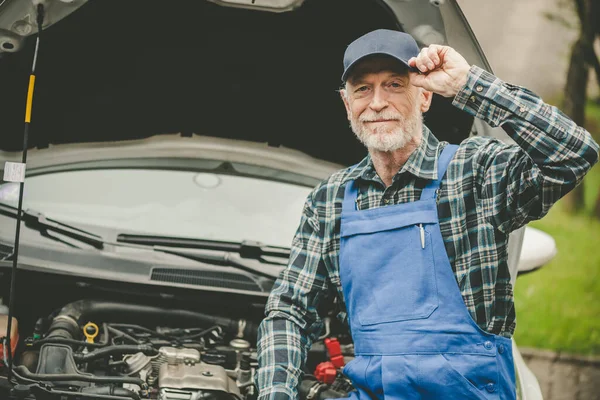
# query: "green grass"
592,116
558,307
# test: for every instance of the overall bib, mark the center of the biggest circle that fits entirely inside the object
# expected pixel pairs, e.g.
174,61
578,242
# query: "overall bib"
413,335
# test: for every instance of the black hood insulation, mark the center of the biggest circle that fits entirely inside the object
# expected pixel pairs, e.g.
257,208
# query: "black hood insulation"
118,70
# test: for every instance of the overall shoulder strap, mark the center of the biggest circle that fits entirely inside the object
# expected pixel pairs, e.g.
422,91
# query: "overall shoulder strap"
448,152
350,192
350,195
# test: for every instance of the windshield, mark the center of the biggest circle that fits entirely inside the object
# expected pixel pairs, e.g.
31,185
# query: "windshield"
167,203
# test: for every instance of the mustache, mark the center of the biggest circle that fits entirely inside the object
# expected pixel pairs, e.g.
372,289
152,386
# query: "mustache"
379,116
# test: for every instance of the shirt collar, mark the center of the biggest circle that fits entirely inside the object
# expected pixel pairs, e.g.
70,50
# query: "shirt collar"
422,163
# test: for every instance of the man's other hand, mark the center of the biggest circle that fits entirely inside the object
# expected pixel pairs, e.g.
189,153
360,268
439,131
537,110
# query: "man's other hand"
443,70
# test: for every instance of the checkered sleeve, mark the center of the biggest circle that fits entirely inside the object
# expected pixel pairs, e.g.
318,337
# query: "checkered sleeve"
292,322
520,183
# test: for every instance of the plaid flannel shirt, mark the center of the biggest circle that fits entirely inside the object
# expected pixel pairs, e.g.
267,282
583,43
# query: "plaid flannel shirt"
490,189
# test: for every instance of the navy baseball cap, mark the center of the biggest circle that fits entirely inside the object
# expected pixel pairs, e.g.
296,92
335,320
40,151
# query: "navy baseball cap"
398,45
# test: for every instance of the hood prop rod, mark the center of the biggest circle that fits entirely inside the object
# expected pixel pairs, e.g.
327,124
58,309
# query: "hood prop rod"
13,276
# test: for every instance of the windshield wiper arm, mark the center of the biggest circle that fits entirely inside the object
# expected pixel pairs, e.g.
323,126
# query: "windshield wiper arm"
223,258
243,256
246,249
38,221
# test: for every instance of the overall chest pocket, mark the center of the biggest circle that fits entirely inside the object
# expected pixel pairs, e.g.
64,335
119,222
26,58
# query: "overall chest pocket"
389,276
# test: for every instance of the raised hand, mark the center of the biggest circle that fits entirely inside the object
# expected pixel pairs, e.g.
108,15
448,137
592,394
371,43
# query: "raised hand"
442,70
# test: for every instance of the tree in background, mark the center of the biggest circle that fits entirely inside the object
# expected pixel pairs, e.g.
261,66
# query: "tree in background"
583,57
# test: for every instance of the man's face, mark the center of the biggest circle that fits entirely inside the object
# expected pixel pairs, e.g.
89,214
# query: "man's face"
384,109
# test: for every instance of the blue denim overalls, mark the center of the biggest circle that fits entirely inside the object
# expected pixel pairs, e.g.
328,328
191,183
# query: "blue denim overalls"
413,335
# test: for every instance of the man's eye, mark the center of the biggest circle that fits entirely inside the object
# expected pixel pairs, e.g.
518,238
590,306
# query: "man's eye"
362,89
396,85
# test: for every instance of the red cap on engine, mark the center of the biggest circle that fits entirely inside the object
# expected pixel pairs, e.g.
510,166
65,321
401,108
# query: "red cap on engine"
335,352
326,372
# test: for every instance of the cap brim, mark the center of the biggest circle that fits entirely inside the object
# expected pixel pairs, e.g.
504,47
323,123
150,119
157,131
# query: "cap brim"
349,68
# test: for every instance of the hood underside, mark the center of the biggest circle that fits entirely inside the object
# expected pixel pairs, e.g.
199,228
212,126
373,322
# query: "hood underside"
122,70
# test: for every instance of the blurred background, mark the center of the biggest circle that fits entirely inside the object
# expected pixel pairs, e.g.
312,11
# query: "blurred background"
552,48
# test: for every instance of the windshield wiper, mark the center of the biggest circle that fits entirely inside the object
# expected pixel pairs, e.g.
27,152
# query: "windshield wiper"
243,255
194,249
38,221
223,258
246,249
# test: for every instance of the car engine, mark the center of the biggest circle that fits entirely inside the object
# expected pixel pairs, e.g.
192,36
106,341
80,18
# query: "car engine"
79,352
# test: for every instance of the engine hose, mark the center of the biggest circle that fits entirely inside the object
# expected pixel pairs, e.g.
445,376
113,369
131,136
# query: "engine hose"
119,334
50,392
116,349
70,342
142,329
22,370
200,334
59,339
111,391
74,314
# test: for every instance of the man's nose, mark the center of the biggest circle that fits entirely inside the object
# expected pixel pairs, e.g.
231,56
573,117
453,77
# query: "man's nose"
379,100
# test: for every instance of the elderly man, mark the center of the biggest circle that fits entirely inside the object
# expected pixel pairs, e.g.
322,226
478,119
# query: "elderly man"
414,237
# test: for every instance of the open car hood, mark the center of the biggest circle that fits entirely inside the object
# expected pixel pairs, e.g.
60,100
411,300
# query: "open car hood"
112,70
254,83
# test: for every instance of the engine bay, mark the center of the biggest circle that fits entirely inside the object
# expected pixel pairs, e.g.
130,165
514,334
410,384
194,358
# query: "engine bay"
102,348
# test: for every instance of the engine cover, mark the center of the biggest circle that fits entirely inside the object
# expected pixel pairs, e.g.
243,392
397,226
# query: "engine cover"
196,377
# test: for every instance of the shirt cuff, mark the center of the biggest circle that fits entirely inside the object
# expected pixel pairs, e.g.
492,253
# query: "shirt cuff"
476,95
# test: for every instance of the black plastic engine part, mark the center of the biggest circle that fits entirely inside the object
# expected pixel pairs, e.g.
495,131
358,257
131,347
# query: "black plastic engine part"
64,327
245,362
57,359
63,331
67,322
23,371
115,350
56,364
112,391
215,358
229,355
20,391
46,392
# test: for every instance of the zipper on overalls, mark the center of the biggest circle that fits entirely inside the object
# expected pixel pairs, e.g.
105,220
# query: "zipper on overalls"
422,236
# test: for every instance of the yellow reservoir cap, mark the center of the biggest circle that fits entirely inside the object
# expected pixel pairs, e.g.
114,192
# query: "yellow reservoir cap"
90,330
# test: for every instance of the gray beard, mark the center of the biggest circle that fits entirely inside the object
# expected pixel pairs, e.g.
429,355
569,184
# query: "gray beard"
383,139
